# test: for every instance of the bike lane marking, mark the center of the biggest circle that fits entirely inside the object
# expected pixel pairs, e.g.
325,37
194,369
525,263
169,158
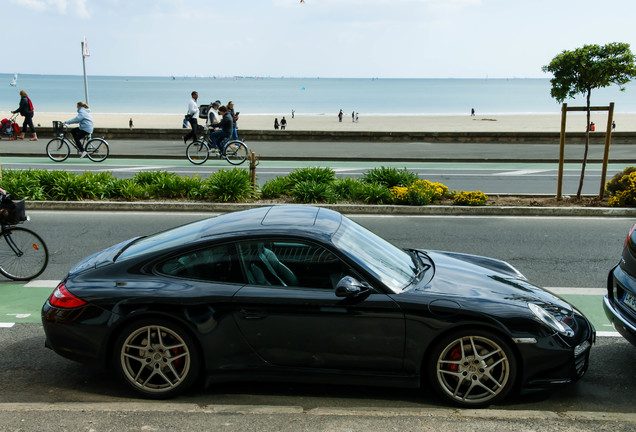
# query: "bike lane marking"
21,303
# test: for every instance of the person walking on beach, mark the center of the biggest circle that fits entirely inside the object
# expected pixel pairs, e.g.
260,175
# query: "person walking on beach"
130,123
353,116
225,128
26,110
235,116
283,123
192,115
613,125
85,121
276,123
293,112
340,114
472,112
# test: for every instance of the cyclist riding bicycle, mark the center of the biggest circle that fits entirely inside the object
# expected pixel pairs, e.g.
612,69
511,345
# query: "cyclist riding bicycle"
85,125
226,126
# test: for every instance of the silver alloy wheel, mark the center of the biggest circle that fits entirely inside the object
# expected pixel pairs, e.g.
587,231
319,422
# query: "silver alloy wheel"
473,370
155,359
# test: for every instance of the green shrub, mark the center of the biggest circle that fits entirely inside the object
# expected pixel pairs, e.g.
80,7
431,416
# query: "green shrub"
310,191
347,189
316,174
230,186
390,177
472,198
375,193
130,190
623,189
275,188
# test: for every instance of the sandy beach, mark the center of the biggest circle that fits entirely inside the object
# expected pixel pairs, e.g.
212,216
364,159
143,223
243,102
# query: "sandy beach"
486,123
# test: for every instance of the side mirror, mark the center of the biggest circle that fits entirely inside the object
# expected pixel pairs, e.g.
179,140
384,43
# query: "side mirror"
350,287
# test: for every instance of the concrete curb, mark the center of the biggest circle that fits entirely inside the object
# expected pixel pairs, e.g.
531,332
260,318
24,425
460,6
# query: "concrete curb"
196,207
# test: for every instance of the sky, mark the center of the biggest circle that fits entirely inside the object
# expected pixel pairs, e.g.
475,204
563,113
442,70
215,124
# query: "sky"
317,38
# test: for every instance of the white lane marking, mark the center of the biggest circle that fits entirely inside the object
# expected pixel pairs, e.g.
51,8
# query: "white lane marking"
20,315
38,283
577,291
138,168
6,325
520,172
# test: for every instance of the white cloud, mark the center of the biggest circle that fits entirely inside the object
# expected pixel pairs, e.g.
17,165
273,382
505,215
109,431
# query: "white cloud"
64,7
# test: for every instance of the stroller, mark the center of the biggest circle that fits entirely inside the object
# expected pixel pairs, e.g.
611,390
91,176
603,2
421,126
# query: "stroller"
9,128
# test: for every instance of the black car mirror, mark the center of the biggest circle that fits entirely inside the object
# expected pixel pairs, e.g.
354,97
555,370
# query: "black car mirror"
350,287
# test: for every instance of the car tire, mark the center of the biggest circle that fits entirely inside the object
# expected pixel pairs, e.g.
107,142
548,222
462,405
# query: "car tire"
157,358
472,368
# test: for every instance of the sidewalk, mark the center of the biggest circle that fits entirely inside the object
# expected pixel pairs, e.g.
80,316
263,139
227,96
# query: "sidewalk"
355,151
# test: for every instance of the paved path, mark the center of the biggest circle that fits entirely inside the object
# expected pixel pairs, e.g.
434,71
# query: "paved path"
361,151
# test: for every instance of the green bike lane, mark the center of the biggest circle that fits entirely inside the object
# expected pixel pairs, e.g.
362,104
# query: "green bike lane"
22,302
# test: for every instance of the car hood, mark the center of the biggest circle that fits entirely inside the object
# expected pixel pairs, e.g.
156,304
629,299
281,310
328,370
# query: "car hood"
476,277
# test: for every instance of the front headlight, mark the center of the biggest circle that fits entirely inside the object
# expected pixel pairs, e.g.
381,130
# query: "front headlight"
548,319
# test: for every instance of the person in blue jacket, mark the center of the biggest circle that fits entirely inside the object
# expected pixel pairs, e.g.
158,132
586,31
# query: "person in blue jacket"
85,125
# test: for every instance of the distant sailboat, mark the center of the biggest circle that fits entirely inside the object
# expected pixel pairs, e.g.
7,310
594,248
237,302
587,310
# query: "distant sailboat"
14,81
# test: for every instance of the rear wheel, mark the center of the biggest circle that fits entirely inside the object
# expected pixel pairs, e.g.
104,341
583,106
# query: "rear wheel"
57,150
197,152
472,368
236,152
157,358
97,150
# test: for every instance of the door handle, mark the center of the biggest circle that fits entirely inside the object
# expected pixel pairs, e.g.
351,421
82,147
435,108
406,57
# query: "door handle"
252,313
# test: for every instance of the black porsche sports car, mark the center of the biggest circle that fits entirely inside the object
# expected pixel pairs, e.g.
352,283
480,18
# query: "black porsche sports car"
620,301
299,293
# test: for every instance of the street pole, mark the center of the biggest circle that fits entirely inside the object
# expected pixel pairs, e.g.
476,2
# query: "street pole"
84,51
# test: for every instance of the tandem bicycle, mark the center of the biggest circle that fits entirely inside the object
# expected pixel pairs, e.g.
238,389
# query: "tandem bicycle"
59,148
232,150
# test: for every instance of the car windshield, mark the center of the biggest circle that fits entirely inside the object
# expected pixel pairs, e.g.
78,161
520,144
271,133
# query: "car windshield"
164,240
391,265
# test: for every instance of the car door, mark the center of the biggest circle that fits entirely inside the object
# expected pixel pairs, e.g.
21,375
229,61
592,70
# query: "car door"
297,320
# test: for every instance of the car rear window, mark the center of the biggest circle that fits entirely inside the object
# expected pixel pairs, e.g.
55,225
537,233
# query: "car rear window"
164,240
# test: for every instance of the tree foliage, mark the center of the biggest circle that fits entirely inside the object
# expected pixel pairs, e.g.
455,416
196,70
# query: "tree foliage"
584,69
593,66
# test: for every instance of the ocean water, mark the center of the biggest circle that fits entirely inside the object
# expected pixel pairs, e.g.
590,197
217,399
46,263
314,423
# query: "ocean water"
307,96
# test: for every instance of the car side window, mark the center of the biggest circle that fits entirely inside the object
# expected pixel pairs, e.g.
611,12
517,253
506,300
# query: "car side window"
291,263
214,264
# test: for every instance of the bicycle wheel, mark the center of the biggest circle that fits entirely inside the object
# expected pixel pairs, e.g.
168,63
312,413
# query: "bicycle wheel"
197,152
58,150
23,254
97,150
236,152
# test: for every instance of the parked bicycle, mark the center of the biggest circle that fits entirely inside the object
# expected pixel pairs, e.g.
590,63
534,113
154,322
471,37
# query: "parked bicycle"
23,253
59,148
232,150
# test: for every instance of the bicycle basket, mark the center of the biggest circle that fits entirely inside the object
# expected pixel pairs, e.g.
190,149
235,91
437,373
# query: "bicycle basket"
58,127
12,212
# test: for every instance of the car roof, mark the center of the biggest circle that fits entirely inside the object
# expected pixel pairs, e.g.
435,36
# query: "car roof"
317,220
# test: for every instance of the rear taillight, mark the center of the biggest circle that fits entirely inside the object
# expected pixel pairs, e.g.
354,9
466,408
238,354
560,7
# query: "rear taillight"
62,298
629,235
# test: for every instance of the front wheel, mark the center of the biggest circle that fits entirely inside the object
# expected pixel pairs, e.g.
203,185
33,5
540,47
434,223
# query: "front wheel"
197,152
472,368
157,358
97,150
58,150
236,152
23,254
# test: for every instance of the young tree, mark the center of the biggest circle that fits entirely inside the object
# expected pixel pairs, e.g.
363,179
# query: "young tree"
580,71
